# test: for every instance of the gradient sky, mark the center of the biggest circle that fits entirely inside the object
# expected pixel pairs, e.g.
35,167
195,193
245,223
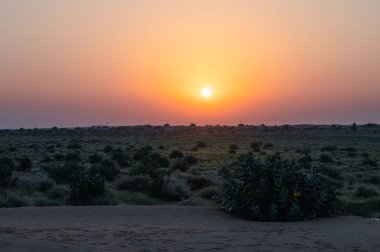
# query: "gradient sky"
88,62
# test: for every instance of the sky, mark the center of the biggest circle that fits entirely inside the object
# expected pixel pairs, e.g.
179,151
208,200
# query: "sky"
127,62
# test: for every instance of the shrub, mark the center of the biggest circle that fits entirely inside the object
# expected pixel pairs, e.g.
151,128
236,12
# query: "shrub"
24,164
210,192
374,180
306,152
45,202
256,145
201,144
174,190
7,167
74,145
138,183
108,198
161,160
232,151
349,149
64,173
369,162
85,187
143,152
366,191
9,199
137,198
107,148
276,190
198,182
107,170
176,154
323,158
120,157
58,192
185,163
331,172
329,148
95,158
234,147
14,200
305,161
73,157
34,182
268,145
58,156
190,160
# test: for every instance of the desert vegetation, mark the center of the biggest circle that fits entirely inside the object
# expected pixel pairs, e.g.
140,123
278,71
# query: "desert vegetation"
299,172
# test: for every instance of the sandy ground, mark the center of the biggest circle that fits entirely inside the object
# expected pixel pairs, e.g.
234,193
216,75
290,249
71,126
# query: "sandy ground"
175,228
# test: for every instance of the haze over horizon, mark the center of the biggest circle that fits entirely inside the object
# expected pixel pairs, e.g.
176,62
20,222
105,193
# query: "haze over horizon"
81,63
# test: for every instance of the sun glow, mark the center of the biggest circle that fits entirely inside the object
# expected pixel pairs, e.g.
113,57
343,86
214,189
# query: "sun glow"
206,92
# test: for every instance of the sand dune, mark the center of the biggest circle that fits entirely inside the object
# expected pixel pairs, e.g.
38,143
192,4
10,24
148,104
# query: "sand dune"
175,228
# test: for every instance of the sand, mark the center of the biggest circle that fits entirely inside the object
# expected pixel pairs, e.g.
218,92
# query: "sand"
175,228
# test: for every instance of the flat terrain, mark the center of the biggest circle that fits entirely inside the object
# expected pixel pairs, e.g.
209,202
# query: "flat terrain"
175,228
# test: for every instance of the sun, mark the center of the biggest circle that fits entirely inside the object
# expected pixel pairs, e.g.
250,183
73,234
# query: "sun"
206,92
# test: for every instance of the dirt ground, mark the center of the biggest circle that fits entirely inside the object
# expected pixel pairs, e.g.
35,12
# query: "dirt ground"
175,228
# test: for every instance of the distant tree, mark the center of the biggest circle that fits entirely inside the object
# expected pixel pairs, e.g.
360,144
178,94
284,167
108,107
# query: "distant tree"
354,127
193,125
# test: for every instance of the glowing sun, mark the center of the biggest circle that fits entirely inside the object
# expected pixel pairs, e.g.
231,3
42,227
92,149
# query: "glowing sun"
206,92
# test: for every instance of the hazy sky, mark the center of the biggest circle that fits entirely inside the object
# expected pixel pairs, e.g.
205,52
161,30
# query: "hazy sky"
76,63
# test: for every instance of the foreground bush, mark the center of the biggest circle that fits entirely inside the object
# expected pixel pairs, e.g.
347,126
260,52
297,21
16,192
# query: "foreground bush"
366,191
37,181
86,186
8,199
137,198
276,190
7,167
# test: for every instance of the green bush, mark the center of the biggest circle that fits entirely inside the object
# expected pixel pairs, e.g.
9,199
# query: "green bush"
107,169
108,148
74,145
138,183
210,192
34,182
323,158
268,145
121,157
331,172
198,182
375,179
7,167
86,186
108,198
24,164
185,163
58,192
95,158
176,154
161,160
369,162
256,145
200,144
41,201
174,189
329,148
137,198
276,190
143,152
364,191
8,199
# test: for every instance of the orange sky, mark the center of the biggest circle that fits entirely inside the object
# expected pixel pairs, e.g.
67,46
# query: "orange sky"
75,63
